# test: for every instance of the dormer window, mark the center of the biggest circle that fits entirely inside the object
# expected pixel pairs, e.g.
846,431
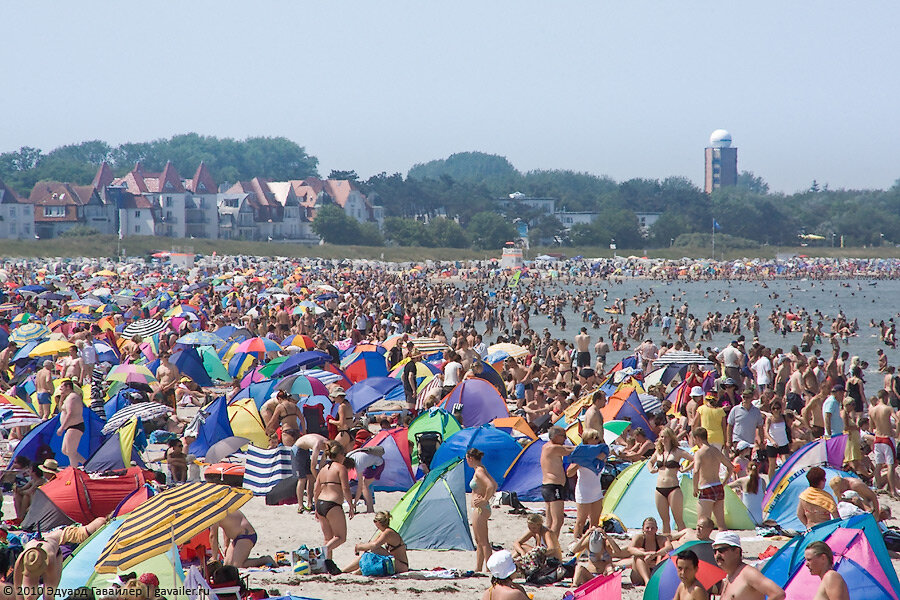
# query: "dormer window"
54,211
169,185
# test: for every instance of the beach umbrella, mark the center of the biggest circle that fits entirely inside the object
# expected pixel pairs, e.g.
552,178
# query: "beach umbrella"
173,516
613,429
51,297
664,581
680,357
105,273
299,340
29,332
21,318
299,385
325,377
272,365
85,302
131,374
240,363
13,415
301,360
259,346
50,348
362,365
424,370
144,328
363,394
9,307
513,350
200,338
145,411
79,318
31,289
225,448
307,307
429,345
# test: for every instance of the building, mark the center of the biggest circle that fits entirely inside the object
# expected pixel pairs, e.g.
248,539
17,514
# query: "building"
721,162
16,215
58,207
518,203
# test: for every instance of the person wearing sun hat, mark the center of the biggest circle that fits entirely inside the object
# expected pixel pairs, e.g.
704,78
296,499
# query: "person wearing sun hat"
344,420
39,565
502,569
50,467
742,581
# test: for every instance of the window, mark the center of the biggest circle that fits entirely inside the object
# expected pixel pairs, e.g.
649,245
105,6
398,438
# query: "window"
137,228
137,214
168,201
54,211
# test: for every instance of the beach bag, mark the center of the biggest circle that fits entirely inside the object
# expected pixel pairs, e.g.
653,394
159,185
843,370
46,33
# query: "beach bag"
315,557
376,565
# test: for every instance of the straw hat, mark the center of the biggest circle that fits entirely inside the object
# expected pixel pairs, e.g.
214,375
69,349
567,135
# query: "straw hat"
50,466
35,561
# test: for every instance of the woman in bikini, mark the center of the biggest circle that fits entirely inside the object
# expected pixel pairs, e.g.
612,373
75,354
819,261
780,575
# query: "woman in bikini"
647,549
483,488
331,490
387,543
344,420
288,417
666,463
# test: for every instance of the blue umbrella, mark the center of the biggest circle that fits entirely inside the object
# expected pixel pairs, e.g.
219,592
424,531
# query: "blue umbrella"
367,392
200,338
301,360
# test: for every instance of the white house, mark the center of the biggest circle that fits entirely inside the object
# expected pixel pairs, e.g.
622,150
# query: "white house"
16,215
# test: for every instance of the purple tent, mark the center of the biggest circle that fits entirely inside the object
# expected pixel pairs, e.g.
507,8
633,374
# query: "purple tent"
481,402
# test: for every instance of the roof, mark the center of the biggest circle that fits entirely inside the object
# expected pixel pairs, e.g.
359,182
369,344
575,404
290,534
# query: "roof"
203,182
56,193
8,196
104,177
170,180
136,201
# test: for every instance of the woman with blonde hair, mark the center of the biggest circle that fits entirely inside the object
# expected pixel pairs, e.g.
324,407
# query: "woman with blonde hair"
666,461
483,489
387,543
588,488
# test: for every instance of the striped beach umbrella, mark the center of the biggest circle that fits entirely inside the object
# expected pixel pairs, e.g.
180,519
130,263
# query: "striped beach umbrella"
361,365
174,516
13,414
513,350
143,328
143,410
299,340
258,346
300,385
131,374
85,302
21,318
29,332
80,317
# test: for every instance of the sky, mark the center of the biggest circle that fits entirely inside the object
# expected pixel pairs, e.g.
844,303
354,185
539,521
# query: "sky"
623,89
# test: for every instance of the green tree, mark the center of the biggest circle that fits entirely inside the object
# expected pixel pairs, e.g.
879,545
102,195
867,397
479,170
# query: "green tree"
334,226
749,181
473,167
407,232
446,233
546,227
488,231
369,235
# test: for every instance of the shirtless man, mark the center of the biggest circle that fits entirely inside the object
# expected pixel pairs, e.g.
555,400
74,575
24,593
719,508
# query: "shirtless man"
6,355
240,537
344,420
813,417
742,582
43,384
708,488
687,563
168,376
309,456
553,482
583,350
885,441
816,505
820,562
71,422
39,565
593,418
288,417
73,367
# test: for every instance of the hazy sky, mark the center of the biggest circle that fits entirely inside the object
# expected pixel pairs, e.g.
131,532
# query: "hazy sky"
625,89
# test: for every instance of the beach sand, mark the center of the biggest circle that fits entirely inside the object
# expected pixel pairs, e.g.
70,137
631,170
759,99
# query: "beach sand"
281,528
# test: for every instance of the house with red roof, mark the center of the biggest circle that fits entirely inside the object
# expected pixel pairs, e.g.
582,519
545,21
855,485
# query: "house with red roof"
58,207
16,215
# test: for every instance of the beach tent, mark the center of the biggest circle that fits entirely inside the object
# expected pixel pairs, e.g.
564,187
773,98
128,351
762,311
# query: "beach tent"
524,475
190,364
75,497
432,514
481,402
500,450
213,425
629,362
122,448
860,557
44,436
265,468
246,422
625,405
397,475
680,395
601,587
436,420
514,426
825,452
783,507
490,374
631,498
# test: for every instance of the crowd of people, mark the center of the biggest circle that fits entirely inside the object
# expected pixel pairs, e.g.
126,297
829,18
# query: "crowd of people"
763,404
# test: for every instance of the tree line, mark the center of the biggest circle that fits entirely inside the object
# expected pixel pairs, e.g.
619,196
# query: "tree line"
454,202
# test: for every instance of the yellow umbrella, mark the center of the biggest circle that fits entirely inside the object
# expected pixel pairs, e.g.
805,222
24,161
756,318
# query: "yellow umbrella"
105,273
50,348
174,516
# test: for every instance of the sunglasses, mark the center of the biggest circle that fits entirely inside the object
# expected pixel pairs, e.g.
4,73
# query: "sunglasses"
722,550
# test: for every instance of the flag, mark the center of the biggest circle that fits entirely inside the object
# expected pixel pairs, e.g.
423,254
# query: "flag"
716,226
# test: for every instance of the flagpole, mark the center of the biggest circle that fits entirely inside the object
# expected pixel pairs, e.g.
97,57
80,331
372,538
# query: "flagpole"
714,239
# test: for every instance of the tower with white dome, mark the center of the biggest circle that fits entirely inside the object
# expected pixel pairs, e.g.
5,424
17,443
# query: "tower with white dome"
721,161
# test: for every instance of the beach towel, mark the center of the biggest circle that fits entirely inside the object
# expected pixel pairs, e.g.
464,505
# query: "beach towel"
820,498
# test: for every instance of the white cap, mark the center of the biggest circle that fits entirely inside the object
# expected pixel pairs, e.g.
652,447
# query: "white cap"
727,538
501,564
742,445
696,391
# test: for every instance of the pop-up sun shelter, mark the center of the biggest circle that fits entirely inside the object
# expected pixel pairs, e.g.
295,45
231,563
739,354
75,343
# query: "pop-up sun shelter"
397,475
120,449
435,420
500,450
45,435
76,497
481,402
524,476
860,557
432,514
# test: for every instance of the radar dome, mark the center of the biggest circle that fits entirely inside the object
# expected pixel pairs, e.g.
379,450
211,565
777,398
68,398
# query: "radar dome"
720,139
